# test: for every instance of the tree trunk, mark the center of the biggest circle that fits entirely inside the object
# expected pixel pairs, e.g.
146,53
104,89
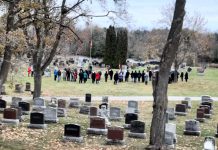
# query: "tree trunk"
37,82
157,132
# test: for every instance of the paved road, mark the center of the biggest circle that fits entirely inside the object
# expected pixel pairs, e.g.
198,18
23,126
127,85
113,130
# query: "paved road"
120,98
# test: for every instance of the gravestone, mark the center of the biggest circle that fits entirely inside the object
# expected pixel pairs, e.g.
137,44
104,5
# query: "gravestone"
3,90
105,99
88,99
171,128
207,113
19,113
74,103
19,88
103,112
28,86
185,103
25,107
15,101
128,118
84,110
62,112
103,104
210,106
3,105
210,143
200,115
93,111
216,135
115,114
206,98
169,140
37,121
132,107
180,110
115,135
189,101
10,116
53,102
192,127
137,129
171,113
72,132
38,104
97,126
50,115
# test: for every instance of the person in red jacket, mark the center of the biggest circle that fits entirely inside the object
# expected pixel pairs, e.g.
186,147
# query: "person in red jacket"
29,71
97,77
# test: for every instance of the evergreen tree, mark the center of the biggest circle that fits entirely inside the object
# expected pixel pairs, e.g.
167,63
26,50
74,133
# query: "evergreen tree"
110,47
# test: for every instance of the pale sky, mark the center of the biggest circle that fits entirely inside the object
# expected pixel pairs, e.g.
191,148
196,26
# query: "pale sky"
145,14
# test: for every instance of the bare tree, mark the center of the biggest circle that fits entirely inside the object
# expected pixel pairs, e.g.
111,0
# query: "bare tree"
157,132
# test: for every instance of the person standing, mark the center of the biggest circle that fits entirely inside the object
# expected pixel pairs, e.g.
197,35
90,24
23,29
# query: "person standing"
116,76
182,76
146,78
29,71
55,74
132,76
93,77
59,75
139,76
97,77
186,76
105,76
81,76
135,75
143,76
111,74
150,75
127,76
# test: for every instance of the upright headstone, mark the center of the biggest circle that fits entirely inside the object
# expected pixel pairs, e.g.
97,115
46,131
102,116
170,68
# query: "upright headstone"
115,135
28,86
137,129
128,118
62,112
37,121
88,99
10,116
3,105
15,101
171,113
181,110
210,106
105,99
74,103
84,110
188,99
53,102
171,127
50,114
3,90
206,98
185,103
115,114
103,112
132,107
207,113
200,115
97,126
25,107
72,132
192,127
38,104
93,111
19,113
169,142
210,143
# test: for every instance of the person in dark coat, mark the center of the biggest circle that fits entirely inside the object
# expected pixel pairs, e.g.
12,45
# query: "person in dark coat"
182,76
139,76
111,74
116,77
93,77
135,76
150,75
143,76
81,76
105,76
127,76
186,77
132,75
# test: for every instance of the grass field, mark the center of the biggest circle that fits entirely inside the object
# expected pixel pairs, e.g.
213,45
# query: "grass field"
196,86
19,138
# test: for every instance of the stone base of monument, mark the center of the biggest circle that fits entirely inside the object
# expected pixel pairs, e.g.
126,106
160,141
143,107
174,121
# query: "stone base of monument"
181,113
127,126
170,146
196,133
116,118
97,131
25,112
207,116
1,109
38,108
114,142
137,135
200,119
37,126
11,121
52,120
73,139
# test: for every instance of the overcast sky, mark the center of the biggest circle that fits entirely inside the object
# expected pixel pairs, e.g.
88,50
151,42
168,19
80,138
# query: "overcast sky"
145,14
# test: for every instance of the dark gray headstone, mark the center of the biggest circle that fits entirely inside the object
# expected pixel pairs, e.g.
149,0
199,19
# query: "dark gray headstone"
3,104
37,118
88,98
130,117
25,106
72,130
137,127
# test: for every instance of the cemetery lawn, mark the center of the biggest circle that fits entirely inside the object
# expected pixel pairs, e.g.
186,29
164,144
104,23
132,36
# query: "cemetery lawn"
196,86
17,138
